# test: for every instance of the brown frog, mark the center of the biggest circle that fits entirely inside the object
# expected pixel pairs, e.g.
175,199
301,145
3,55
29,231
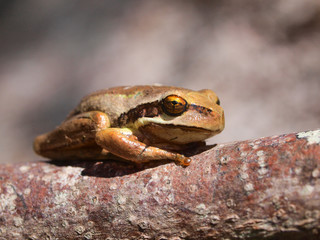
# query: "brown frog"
137,123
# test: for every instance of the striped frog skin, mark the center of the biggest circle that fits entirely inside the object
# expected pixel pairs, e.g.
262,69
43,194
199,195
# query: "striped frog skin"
136,123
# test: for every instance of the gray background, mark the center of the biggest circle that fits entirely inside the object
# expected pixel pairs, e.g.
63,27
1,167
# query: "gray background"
262,58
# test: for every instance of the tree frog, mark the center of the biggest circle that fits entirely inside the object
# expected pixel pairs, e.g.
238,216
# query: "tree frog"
137,123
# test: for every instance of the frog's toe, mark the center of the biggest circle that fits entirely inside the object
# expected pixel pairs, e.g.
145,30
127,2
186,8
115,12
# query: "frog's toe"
185,161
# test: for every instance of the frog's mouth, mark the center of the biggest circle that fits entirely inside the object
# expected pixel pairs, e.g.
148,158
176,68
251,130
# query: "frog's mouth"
176,133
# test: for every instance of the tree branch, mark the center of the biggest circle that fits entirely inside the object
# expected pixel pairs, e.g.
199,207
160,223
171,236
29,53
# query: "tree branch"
267,188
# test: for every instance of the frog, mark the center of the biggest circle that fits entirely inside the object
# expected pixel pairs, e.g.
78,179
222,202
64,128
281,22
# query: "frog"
136,123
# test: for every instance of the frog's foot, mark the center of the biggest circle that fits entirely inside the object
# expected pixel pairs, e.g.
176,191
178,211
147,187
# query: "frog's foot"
123,143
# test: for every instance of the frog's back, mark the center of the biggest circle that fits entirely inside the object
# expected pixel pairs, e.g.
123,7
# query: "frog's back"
118,100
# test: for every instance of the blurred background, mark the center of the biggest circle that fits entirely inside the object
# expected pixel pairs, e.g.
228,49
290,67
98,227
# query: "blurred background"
262,58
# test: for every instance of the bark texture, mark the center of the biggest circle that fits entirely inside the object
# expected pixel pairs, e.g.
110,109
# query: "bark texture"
267,188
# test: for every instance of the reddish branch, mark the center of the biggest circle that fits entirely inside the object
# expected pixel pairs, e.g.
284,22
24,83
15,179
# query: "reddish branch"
267,188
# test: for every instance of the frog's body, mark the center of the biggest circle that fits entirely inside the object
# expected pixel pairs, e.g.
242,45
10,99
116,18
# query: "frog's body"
139,123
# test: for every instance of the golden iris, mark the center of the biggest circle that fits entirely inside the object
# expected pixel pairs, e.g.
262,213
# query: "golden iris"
174,105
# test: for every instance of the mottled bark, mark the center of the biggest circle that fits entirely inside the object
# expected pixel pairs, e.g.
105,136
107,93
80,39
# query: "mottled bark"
267,188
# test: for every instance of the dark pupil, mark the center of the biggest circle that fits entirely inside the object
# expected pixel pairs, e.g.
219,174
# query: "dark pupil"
174,102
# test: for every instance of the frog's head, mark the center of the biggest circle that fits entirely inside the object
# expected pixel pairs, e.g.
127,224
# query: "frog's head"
184,116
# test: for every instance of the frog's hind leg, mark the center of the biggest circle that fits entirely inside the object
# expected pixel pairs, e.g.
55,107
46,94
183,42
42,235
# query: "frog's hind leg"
74,138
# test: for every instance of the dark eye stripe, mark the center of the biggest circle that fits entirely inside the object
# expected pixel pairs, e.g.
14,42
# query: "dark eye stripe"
144,110
152,109
200,109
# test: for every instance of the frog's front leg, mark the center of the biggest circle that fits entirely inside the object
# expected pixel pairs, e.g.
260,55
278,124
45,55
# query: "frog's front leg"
122,142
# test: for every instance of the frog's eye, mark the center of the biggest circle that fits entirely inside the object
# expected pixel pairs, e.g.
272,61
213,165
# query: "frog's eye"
174,105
